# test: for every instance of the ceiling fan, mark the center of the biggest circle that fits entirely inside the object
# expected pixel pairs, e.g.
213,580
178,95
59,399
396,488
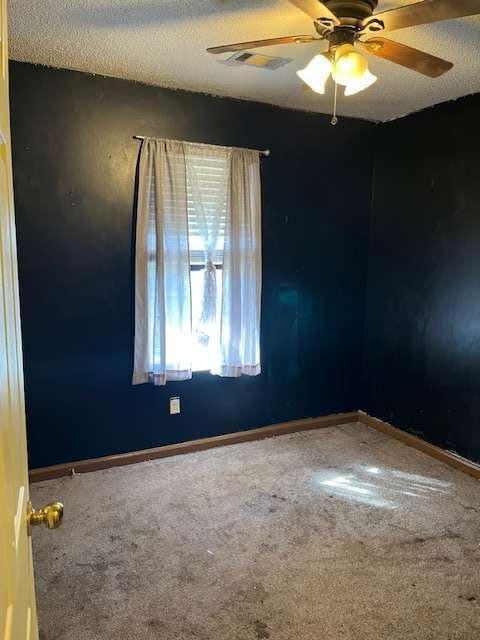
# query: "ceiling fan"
350,24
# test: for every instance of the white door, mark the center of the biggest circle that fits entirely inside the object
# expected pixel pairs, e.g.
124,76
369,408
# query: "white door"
18,618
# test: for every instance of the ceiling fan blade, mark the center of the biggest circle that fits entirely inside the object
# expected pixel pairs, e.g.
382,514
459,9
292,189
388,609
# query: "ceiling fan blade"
253,44
423,13
315,10
408,57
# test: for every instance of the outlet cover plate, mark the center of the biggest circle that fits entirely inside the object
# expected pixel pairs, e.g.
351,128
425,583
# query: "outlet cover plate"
174,405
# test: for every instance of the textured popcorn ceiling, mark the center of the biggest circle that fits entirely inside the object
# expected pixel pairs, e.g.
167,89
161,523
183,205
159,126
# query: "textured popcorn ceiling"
163,42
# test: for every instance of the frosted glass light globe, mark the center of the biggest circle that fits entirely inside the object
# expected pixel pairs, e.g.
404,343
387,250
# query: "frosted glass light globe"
316,73
349,65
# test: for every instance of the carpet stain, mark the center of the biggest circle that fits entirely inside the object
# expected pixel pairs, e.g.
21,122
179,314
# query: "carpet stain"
448,535
128,581
156,624
261,630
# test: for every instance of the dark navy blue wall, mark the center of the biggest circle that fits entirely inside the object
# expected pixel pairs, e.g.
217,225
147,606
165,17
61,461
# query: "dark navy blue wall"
74,168
422,348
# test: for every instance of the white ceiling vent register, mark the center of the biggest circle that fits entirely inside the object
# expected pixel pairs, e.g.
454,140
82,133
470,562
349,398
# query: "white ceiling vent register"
255,60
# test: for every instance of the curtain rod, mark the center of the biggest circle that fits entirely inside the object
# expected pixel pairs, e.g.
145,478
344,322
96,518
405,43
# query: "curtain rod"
263,152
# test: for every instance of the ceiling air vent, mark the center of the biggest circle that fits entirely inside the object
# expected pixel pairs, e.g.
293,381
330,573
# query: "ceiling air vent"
255,60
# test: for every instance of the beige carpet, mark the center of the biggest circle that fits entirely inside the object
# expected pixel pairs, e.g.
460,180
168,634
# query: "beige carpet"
341,533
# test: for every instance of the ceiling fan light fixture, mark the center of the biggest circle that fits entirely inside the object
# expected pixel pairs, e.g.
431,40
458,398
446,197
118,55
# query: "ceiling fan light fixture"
349,65
316,73
361,84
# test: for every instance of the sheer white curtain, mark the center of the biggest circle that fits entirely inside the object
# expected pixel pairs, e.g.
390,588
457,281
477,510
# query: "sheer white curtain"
242,270
162,274
197,205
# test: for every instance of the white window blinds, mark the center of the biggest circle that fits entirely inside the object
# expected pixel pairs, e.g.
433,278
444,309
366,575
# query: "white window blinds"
208,180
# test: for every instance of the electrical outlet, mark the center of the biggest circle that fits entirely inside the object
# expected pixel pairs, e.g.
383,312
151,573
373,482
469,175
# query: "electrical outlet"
174,405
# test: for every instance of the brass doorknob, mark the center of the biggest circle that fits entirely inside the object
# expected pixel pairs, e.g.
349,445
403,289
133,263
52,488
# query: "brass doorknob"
51,515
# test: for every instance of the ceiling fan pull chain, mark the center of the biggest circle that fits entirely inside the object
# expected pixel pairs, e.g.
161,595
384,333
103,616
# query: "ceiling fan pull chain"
334,119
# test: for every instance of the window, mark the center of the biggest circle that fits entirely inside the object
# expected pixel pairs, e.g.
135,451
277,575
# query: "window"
198,270
207,192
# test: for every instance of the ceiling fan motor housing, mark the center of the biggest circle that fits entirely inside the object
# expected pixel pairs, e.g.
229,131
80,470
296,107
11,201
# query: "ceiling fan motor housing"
350,14
351,10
